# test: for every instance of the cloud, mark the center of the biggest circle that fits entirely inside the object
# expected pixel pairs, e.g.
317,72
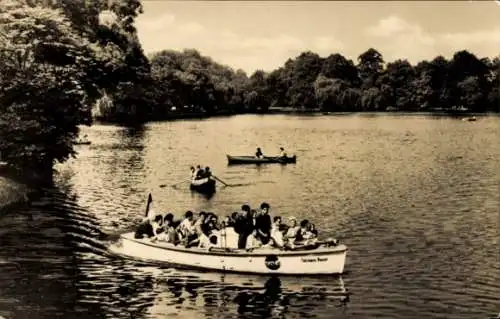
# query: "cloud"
238,50
397,38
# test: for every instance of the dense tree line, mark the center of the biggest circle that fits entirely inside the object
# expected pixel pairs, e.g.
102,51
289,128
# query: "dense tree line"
57,57
186,82
63,60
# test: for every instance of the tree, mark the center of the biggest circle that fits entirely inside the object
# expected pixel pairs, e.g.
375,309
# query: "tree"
494,95
299,75
255,97
463,70
45,93
395,83
337,66
370,65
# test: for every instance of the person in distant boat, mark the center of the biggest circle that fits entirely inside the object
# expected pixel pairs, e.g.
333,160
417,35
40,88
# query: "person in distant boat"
193,172
207,173
144,229
259,153
282,153
199,172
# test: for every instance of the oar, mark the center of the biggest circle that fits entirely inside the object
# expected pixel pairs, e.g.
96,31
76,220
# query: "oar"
173,185
225,184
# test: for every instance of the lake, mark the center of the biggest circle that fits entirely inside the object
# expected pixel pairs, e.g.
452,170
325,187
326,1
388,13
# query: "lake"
414,197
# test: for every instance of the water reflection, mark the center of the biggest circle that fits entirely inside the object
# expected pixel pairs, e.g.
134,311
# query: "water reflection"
425,248
38,269
158,292
115,164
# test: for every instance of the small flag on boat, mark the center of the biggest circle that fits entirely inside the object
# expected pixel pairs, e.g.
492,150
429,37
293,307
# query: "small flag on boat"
149,208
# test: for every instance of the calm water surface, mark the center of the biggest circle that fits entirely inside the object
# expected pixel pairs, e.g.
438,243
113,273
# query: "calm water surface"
415,198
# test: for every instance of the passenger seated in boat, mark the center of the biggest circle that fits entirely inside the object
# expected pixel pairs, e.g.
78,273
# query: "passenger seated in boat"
158,225
207,173
186,230
234,219
199,223
253,241
259,153
243,225
210,231
312,229
276,234
228,236
144,229
208,242
199,172
193,172
282,152
169,234
303,235
263,224
292,231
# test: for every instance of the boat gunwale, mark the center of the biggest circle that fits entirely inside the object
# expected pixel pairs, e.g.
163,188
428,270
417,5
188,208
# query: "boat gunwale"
250,157
209,180
198,268
340,249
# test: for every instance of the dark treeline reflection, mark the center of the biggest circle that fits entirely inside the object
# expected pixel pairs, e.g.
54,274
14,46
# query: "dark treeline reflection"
39,270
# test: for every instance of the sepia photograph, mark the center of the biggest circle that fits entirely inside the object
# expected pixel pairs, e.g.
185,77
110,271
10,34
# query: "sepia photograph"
249,159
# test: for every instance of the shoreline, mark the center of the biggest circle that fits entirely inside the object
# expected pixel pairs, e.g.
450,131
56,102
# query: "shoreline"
12,192
293,111
13,188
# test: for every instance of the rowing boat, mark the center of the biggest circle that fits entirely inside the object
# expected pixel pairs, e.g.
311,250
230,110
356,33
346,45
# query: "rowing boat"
322,260
263,160
82,142
203,185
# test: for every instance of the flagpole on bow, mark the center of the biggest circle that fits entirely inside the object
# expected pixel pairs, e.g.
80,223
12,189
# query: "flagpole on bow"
150,201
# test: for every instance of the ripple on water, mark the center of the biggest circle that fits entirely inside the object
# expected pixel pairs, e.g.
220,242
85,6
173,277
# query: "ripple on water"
415,199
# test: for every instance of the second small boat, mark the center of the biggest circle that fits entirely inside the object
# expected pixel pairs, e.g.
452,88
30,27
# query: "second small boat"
232,160
203,185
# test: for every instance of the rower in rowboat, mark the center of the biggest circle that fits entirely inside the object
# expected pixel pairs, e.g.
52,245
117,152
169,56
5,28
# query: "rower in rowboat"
282,153
258,153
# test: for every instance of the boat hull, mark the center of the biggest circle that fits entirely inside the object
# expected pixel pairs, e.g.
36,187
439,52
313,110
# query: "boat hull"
320,261
204,185
83,143
265,160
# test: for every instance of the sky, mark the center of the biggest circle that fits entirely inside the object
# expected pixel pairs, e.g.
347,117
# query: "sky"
262,35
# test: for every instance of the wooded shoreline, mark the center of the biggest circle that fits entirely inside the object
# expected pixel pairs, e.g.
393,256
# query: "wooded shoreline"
64,65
